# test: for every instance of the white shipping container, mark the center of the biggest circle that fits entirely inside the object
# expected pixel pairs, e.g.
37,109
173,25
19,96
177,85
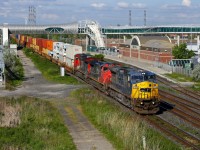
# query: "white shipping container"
61,58
72,50
50,53
58,47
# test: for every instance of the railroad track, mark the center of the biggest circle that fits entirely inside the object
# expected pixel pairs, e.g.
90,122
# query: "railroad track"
180,102
179,88
180,136
191,119
173,132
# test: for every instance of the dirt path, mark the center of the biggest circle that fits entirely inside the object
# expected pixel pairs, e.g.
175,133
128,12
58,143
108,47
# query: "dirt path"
85,136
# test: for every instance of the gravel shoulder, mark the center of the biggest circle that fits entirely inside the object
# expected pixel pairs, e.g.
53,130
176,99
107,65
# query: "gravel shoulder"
85,136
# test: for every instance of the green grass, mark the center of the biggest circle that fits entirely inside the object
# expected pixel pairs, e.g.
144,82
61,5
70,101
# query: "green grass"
124,130
48,69
12,84
183,78
196,87
179,77
41,127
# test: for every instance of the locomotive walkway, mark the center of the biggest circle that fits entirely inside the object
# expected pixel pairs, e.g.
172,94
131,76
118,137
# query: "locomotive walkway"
84,135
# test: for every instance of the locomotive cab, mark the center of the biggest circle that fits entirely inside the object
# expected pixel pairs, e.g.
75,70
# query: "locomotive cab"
79,58
145,92
138,87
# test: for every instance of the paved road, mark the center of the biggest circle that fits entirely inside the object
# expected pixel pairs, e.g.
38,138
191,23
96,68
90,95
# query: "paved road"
85,136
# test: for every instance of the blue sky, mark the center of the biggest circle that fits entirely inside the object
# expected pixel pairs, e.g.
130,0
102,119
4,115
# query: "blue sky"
106,12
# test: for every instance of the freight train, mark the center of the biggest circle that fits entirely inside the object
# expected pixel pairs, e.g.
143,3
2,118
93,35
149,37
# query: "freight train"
135,88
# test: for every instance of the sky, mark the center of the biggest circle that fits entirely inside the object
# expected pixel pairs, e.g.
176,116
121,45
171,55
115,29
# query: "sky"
105,12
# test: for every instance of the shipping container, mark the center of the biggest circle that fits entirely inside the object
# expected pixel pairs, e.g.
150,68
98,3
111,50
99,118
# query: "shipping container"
58,47
39,42
30,40
71,50
44,43
45,51
34,41
50,45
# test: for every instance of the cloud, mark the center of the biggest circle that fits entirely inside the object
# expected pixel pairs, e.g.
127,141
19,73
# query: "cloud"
123,5
138,5
186,3
171,7
98,5
50,16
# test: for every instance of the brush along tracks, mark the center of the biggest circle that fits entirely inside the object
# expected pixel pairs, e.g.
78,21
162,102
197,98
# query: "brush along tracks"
173,132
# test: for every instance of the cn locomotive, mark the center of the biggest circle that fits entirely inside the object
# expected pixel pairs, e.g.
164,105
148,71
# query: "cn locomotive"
132,87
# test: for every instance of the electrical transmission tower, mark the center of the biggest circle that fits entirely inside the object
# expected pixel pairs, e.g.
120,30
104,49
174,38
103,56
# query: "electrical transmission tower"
145,18
130,18
32,16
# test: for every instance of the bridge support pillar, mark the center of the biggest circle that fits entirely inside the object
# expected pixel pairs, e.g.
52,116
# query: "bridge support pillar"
86,42
198,42
5,36
178,40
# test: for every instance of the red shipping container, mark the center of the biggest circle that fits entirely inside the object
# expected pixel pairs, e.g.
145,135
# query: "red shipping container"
44,43
30,40
39,42
25,38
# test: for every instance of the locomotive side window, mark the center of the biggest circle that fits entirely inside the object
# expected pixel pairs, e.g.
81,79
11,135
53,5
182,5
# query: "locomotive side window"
105,69
128,78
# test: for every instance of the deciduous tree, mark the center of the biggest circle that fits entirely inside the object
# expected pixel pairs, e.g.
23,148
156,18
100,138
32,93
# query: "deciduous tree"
181,52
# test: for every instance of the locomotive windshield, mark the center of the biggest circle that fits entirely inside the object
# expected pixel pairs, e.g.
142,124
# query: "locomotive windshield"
140,78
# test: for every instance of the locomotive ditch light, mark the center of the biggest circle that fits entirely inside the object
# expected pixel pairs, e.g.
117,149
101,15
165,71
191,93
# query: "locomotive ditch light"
153,102
141,103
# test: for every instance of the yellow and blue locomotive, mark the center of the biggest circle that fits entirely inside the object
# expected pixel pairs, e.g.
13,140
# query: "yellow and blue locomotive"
135,88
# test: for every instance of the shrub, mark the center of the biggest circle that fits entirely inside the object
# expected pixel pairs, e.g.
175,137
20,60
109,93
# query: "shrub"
99,56
13,65
196,73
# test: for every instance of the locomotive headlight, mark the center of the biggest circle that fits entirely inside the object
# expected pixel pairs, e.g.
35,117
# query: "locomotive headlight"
141,103
153,102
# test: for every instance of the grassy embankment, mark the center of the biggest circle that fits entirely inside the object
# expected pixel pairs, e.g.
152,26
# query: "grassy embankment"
33,124
124,130
183,78
49,70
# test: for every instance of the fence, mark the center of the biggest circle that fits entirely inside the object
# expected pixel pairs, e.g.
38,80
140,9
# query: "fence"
175,69
185,71
2,65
